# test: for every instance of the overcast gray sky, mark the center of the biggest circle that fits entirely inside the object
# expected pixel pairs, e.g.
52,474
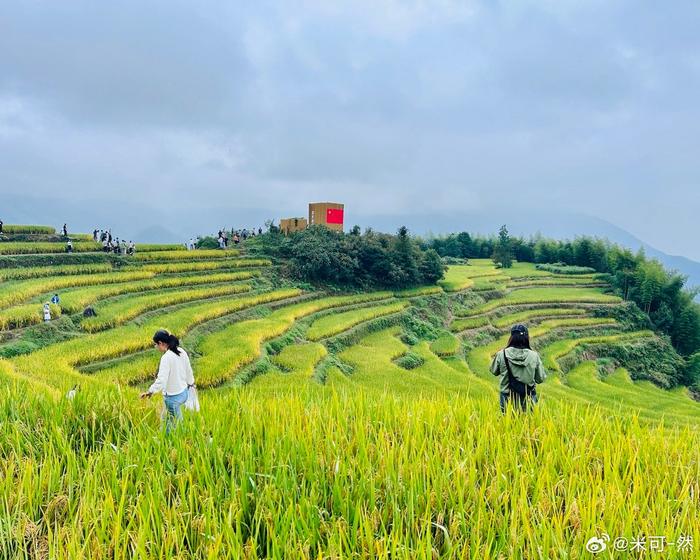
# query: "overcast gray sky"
393,107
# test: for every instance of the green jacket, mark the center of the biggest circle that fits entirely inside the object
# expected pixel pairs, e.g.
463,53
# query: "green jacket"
525,364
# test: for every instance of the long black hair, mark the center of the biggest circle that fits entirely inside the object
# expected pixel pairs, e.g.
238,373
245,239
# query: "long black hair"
170,339
519,340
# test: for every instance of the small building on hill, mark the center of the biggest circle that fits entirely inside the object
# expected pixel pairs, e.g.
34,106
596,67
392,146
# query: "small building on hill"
329,214
292,225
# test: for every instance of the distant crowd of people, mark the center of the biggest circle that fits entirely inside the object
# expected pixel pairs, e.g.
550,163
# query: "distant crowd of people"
113,245
237,235
228,237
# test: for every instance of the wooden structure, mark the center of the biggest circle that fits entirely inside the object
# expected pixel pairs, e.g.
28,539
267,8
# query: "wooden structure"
329,214
291,225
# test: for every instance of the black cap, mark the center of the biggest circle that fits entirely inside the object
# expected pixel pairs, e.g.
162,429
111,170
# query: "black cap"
518,329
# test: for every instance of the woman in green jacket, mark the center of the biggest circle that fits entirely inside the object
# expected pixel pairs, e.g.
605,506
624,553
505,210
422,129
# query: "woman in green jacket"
520,368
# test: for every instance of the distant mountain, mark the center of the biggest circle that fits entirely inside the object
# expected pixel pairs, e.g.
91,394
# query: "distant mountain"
168,224
157,234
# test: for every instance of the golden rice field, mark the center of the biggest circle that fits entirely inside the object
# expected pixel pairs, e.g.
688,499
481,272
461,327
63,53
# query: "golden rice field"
333,425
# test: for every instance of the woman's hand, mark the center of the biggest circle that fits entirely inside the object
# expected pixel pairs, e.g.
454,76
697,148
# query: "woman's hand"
146,395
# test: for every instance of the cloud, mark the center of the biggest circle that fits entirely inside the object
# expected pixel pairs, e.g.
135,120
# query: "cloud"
420,105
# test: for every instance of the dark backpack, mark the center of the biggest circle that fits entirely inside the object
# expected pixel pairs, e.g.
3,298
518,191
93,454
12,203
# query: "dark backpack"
515,385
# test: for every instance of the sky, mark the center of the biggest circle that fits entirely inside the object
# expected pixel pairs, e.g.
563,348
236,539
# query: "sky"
391,107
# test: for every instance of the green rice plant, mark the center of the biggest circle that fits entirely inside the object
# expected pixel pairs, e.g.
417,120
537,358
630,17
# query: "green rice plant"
204,265
445,345
76,300
461,277
374,366
561,268
141,369
545,295
296,363
15,228
300,359
25,315
55,364
383,478
658,404
15,292
490,282
226,351
578,322
557,350
186,255
417,292
333,324
459,325
111,314
154,247
81,237
42,271
523,270
530,314
33,247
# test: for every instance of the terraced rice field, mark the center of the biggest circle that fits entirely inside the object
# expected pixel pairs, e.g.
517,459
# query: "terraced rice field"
333,425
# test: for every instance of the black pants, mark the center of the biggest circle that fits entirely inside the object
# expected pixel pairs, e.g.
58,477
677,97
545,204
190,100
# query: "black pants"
522,403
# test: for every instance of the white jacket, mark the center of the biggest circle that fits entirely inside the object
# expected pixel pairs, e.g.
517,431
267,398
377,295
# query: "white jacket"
174,374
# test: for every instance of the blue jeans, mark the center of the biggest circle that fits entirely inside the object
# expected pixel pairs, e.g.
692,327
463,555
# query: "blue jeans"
520,403
173,407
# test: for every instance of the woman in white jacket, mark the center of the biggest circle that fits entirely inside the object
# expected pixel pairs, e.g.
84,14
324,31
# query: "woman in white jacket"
174,376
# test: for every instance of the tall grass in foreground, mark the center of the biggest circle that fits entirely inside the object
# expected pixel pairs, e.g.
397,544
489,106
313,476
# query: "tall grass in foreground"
328,474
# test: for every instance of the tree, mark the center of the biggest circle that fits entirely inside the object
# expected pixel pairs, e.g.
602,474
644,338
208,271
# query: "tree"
431,267
503,252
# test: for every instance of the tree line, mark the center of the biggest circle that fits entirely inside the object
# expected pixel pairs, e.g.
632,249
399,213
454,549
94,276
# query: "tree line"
355,259
660,293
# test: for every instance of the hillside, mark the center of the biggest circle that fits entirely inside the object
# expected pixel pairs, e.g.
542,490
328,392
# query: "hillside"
359,404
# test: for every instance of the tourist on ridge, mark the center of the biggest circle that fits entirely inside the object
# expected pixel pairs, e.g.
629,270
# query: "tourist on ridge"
174,378
47,312
1,224
55,299
65,230
69,246
520,369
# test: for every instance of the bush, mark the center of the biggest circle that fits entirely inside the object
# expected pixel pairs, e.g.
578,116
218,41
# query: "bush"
207,243
409,360
371,260
561,268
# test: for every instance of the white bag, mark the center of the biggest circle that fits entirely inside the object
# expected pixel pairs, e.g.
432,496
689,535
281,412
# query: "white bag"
192,402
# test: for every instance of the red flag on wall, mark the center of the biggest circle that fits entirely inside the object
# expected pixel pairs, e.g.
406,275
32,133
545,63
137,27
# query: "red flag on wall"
334,216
